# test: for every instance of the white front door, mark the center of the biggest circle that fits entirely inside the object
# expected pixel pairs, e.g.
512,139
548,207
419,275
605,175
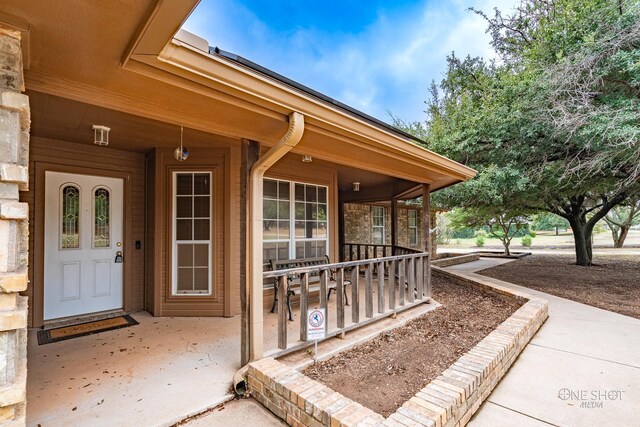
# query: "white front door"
83,234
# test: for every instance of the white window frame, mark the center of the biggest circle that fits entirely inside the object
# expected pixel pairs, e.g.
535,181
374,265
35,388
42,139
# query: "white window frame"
292,218
174,242
413,229
375,209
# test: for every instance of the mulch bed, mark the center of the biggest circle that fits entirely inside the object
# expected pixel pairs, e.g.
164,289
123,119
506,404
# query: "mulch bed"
385,372
613,283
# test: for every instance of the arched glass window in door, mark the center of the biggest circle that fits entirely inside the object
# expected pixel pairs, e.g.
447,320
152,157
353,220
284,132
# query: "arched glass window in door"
70,233
101,231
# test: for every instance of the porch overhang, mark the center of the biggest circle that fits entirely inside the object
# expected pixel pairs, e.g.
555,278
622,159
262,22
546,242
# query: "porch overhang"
141,63
387,151
147,66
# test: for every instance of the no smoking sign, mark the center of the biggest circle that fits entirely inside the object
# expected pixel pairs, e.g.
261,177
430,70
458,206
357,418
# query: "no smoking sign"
316,324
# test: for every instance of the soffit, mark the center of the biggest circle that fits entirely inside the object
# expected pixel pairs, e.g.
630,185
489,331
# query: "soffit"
67,120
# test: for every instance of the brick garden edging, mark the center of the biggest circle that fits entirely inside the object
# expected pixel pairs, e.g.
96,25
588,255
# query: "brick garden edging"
455,260
449,400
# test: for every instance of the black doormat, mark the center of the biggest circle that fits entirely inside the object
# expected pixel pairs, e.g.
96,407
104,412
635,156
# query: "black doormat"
73,331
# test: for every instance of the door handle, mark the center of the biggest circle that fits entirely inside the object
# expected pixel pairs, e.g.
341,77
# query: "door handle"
119,258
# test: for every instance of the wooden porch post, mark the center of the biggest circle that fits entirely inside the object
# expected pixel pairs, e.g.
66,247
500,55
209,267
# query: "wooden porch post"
426,232
426,218
250,153
340,230
394,225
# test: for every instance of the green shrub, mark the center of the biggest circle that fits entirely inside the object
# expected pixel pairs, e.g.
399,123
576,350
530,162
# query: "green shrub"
480,238
526,241
532,233
464,233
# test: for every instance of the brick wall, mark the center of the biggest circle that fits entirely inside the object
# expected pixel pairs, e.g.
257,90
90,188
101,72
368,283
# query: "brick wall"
301,401
358,225
14,230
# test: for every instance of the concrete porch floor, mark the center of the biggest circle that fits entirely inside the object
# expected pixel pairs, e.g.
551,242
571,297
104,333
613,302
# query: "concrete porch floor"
152,374
161,371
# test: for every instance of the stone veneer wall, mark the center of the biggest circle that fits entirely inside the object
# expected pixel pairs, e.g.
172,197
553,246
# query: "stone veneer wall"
14,230
449,400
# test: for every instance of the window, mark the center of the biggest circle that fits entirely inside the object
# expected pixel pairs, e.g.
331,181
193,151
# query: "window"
276,220
101,218
192,233
413,226
70,217
295,220
377,221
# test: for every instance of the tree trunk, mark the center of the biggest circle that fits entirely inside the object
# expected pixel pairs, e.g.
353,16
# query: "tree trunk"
622,236
506,248
588,236
582,242
576,214
615,230
557,232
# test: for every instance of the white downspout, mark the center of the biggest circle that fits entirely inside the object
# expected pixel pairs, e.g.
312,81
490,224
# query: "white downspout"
255,288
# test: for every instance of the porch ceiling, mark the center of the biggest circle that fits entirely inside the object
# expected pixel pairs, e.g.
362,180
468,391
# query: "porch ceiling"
63,119
374,187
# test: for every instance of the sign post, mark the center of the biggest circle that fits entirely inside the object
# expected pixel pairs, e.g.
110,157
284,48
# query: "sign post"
316,329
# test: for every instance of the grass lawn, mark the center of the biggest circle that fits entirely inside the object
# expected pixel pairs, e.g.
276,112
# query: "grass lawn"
545,239
613,283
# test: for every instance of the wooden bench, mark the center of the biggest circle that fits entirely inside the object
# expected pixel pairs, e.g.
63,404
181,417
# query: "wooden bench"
293,281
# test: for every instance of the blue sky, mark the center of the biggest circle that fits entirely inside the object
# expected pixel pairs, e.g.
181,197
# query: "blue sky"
376,56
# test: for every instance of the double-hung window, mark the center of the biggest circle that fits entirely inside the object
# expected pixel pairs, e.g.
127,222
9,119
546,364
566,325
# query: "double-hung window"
413,226
295,220
377,221
192,225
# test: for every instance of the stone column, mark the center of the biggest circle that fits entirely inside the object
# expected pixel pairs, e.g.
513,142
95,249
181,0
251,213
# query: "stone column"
14,230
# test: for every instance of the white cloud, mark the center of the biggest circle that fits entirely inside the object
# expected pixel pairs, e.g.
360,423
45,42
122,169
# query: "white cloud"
386,66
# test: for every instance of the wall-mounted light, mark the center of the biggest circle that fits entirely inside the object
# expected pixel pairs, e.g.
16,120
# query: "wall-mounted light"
356,186
101,135
307,158
181,153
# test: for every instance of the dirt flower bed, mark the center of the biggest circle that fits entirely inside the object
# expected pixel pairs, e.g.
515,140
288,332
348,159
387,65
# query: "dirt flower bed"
384,373
613,283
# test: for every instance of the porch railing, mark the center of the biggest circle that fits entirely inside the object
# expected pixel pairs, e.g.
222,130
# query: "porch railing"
398,282
401,250
361,251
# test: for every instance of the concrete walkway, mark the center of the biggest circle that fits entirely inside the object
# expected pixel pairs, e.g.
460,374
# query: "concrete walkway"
581,369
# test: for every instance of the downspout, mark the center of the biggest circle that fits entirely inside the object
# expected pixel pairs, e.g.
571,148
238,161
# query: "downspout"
255,288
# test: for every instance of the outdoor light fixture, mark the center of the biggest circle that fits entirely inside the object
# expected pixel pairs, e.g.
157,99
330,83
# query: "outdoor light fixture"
101,135
181,153
356,186
306,158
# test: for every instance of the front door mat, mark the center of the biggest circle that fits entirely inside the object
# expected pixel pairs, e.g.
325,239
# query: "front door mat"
67,332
